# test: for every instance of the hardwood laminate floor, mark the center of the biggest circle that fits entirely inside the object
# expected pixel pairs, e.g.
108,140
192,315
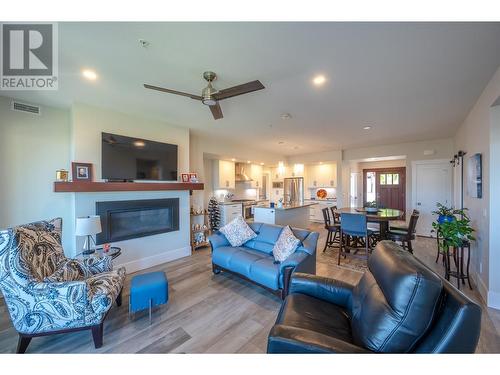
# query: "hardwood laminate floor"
209,313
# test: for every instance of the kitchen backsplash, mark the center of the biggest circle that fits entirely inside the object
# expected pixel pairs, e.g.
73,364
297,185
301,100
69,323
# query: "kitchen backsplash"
330,193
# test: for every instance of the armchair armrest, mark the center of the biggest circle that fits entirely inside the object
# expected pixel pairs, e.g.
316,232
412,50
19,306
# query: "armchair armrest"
96,264
104,288
287,339
217,240
330,290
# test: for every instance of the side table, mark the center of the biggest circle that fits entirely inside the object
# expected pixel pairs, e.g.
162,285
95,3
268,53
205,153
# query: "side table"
458,254
114,252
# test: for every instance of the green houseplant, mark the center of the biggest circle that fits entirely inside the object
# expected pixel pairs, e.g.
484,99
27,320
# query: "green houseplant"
455,231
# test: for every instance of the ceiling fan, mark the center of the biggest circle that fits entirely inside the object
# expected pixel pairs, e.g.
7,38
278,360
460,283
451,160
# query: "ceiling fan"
210,96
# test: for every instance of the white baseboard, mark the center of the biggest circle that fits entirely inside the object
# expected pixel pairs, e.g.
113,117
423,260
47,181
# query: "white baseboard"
154,260
494,300
481,288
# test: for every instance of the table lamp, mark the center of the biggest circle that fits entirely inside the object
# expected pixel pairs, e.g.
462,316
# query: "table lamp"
88,226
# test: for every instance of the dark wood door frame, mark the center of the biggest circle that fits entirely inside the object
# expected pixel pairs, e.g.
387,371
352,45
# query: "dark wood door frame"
402,182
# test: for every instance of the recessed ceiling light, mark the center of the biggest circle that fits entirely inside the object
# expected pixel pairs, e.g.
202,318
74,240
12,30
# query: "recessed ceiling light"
233,159
261,163
89,74
319,80
139,144
367,127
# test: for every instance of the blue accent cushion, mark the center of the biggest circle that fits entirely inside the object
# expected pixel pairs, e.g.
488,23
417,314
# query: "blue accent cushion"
148,286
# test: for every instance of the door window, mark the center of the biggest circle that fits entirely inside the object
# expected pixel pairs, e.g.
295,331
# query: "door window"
389,179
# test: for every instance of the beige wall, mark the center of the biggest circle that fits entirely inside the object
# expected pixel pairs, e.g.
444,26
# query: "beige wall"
474,136
32,148
88,122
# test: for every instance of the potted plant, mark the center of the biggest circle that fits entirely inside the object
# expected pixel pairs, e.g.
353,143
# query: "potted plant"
445,213
455,231
371,206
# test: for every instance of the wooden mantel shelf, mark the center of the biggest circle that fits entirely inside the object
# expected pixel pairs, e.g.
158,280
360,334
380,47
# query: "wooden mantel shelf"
89,187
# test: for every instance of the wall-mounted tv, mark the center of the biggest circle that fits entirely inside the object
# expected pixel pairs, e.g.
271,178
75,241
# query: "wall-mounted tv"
127,158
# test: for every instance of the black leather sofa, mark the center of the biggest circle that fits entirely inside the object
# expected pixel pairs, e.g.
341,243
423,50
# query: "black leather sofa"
398,306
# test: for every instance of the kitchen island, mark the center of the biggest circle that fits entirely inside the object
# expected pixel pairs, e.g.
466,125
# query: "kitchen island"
295,215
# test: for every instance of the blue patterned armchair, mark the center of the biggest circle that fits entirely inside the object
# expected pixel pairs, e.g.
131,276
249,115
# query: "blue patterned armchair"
46,292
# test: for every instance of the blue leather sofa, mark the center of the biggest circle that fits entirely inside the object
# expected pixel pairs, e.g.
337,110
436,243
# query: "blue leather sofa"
254,260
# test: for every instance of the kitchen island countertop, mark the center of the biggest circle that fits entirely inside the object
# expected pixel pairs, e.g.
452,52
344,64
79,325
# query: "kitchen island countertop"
287,206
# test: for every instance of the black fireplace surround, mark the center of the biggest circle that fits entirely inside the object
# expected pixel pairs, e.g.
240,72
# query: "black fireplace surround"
124,220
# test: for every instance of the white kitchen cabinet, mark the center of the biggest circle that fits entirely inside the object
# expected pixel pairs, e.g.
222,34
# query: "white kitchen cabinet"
316,211
321,176
228,212
256,175
223,174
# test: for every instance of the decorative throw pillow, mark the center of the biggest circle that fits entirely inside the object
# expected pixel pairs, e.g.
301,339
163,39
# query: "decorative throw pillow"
237,231
286,244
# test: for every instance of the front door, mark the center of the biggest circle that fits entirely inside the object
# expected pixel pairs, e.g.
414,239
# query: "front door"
431,184
385,186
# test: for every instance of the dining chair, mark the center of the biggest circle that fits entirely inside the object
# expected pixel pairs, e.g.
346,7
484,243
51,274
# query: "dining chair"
405,236
402,226
355,226
333,228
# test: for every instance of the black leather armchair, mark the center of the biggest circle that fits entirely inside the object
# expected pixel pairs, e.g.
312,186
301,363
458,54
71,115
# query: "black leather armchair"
399,306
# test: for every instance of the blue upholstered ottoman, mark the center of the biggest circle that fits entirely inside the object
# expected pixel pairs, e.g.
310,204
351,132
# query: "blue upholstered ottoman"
148,290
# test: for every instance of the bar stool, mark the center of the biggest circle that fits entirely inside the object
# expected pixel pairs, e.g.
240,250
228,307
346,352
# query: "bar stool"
333,229
354,225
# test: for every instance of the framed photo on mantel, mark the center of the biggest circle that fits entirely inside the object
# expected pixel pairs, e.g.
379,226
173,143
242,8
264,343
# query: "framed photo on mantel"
81,172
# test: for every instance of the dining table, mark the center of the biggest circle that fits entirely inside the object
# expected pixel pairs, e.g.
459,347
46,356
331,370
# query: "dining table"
381,216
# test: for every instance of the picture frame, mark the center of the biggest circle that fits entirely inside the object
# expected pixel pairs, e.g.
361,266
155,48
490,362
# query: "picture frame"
185,177
82,172
193,177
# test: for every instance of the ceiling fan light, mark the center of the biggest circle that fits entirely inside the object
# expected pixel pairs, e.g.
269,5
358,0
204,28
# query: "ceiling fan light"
209,101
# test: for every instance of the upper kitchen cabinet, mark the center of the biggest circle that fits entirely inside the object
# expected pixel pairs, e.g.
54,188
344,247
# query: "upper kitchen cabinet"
223,174
256,175
322,175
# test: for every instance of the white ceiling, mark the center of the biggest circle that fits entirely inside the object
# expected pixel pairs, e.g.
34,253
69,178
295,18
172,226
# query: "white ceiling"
409,81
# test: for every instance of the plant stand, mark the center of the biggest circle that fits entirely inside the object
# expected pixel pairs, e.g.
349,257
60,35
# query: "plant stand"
458,254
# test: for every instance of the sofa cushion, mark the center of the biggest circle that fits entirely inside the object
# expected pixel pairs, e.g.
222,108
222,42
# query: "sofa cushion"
237,231
267,235
313,314
394,304
287,243
253,264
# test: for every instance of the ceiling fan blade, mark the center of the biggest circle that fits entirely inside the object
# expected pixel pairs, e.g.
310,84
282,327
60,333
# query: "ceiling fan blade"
239,90
216,111
162,89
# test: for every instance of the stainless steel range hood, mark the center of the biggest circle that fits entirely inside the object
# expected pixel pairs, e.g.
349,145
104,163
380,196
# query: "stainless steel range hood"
241,174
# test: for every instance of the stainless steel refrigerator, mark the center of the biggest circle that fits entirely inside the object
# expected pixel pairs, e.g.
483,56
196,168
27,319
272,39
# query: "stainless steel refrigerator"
293,190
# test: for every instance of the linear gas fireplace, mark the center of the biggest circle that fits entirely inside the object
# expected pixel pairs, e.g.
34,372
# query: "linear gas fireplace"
124,220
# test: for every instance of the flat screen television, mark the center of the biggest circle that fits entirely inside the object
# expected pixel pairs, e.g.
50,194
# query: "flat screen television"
126,158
